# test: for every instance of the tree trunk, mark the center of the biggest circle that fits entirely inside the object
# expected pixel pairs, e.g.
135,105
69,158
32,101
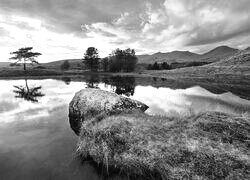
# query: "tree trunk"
27,87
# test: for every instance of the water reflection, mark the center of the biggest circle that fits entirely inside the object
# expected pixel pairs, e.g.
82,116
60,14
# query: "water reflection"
122,85
28,93
66,80
36,141
189,102
93,81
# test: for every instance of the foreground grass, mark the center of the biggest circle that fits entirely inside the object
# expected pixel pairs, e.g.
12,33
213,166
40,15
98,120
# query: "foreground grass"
209,146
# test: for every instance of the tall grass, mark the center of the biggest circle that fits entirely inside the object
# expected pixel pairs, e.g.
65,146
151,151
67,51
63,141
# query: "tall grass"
208,146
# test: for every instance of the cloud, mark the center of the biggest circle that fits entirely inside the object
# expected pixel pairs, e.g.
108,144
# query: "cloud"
62,28
67,16
3,32
179,24
220,23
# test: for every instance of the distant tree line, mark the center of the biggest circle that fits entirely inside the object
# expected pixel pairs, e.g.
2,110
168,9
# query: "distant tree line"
174,65
118,61
160,66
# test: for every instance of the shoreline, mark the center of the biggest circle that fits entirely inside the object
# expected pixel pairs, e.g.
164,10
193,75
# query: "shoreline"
238,84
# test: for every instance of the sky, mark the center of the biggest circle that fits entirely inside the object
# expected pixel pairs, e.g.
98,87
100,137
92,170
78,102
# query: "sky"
64,29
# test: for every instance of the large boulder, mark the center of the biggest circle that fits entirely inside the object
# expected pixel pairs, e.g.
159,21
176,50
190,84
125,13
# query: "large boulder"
90,102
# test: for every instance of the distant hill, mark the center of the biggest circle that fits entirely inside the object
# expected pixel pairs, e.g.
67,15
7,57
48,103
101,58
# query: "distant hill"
239,63
240,59
218,53
74,64
214,55
4,64
247,49
170,57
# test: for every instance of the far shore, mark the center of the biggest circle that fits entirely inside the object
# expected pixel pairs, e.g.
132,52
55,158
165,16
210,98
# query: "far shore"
237,83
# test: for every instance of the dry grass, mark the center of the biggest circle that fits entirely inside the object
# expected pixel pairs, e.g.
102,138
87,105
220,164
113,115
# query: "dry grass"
209,146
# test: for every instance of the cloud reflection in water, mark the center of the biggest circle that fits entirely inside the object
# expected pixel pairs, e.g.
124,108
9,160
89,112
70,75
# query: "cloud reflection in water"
36,140
190,101
163,101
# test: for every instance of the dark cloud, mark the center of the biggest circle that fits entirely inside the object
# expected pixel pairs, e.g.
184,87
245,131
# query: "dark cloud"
68,16
208,37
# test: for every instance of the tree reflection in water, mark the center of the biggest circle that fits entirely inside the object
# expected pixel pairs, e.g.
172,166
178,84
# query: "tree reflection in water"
66,80
93,81
122,85
27,93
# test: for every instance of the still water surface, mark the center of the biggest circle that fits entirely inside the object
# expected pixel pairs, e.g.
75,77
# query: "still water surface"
36,141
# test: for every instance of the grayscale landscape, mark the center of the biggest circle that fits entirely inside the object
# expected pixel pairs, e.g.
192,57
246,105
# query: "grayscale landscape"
111,89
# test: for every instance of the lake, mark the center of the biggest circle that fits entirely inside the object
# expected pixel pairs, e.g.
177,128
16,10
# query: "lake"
36,141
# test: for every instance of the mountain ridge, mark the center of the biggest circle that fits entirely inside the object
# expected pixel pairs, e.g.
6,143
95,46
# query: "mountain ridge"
213,55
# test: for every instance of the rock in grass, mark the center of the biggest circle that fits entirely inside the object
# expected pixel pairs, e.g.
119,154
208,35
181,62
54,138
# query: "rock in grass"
209,146
89,103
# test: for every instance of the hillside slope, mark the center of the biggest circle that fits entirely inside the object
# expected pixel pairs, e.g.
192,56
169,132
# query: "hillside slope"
238,63
74,64
232,73
170,57
214,55
247,49
241,58
218,53
4,64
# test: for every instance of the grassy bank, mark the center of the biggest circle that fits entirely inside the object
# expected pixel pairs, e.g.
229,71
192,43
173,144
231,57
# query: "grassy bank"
209,146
